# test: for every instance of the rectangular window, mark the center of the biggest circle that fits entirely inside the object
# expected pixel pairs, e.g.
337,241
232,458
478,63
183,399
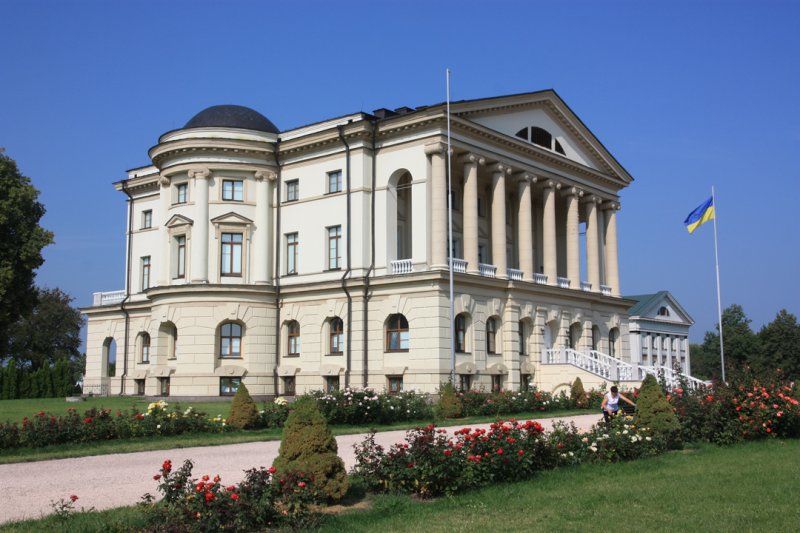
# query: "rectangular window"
147,219
334,181
454,200
181,193
526,382
395,384
231,254
180,270
481,207
497,383
292,249
464,382
289,385
233,190
331,383
229,386
292,190
293,338
163,386
334,248
145,272
481,253
139,387
521,338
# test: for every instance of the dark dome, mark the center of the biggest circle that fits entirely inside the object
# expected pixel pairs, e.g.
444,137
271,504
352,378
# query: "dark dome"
232,116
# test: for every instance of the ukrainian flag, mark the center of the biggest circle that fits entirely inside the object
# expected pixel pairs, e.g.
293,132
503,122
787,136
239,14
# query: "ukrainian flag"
703,213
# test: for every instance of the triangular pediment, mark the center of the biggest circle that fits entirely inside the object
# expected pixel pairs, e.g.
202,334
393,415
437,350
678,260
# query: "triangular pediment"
231,218
178,220
511,115
661,306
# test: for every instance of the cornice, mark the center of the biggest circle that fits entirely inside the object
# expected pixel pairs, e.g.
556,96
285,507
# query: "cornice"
163,151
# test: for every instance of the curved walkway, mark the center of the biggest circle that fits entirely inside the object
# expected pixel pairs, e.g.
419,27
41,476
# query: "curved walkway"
106,481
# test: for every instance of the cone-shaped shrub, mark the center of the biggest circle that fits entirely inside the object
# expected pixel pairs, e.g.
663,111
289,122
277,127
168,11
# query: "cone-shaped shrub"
577,394
450,405
309,447
244,413
654,411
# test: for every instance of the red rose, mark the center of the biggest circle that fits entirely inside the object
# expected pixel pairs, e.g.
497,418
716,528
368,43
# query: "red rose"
167,466
448,453
205,478
216,478
88,420
73,498
209,496
272,470
157,477
499,451
302,484
234,497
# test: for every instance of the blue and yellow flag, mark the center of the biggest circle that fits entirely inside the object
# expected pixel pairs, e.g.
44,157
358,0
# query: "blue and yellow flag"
703,213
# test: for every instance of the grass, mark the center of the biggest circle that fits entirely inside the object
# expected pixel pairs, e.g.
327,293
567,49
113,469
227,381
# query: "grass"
747,487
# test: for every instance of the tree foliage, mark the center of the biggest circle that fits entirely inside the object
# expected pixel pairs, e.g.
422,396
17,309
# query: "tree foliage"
243,413
654,411
780,346
21,243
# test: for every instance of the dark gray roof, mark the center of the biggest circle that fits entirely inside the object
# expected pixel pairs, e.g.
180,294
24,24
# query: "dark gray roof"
643,301
232,116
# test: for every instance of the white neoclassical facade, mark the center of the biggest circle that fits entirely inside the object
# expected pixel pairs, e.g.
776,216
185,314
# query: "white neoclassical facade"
317,257
659,331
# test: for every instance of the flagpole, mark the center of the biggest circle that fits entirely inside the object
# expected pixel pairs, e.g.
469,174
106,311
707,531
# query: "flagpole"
719,298
450,238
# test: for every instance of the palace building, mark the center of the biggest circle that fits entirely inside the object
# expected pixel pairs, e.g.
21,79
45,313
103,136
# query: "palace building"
318,257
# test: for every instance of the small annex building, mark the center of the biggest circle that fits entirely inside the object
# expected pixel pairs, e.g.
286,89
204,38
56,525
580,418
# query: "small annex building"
659,331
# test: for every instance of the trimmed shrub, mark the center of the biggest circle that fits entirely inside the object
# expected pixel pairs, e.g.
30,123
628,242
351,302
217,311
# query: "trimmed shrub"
309,447
654,411
244,413
449,405
577,394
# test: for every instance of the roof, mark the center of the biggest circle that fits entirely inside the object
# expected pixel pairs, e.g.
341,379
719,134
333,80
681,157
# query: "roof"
232,116
643,301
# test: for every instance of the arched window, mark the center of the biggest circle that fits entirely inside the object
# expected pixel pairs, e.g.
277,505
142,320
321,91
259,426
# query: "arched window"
461,333
663,311
336,335
541,137
574,336
293,337
110,357
521,332
397,334
230,340
491,336
145,348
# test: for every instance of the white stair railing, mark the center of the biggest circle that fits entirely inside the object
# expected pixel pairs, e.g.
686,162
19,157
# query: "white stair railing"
672,378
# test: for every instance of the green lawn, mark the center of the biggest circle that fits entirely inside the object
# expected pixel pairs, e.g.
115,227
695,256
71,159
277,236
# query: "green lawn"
748,487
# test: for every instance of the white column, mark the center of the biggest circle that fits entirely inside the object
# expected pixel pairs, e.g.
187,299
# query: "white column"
199,266
499,219
261,234
471,162
525,228
611,252
685,347
438,180
573,195
164,201
669,352
549,249
592,244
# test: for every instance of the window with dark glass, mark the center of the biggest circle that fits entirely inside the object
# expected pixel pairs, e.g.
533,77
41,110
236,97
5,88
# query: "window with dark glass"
139,387
181,193
230,340
293,329
461,333
481,206
334,248
145,272
289,384
491,336
145,348
464,382
497,383
229,386
397,336
233,190
336,335
163,386
521,337
292,190
526,382
147,219
292,249
231,254
541,137
331,383
395,384
180,270
335,181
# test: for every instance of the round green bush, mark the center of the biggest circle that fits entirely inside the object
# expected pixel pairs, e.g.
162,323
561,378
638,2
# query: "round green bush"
449,405
577,394
654,411
243,413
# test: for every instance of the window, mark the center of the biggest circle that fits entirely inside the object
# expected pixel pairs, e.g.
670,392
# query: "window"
397,334
180,264
139,387
334,248
292,190
663,311
521,333
336,335
289,385
497,383
491,336
461,333
293,329
395,384
454,200
335,181
331,383
230,340
481,206
464,382
163,386
233,190
229,386
526,382
181,193
145,358
481,253
145,272
231,254
147,219
541,137
173,353
292,249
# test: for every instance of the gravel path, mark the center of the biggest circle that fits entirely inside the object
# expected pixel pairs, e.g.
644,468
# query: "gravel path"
106,481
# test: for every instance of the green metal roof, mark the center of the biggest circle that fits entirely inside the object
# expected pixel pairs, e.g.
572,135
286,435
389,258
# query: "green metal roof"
643,301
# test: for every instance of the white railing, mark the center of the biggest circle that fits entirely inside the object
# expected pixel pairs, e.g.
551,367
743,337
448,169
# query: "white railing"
586,286
625,371
563,282
489,271
541,279
672,378
459,265
595,362
605,290
402,266
515,274
107,298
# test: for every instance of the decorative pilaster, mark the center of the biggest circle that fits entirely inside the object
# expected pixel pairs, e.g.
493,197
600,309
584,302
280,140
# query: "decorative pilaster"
593,243
525,227
438,178
471,162
261,236
164,201
499,219
611,251
199,267
549,232
573,195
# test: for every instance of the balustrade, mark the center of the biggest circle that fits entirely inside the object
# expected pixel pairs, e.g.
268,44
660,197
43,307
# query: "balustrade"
489,271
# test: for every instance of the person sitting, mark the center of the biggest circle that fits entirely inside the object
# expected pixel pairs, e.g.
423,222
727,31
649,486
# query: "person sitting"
610,404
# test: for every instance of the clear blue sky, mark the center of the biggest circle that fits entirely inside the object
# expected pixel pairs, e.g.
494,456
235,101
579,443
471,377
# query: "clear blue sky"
686,95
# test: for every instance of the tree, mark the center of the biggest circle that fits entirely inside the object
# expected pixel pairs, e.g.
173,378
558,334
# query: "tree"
50,332
21,243
654,411
243,413
780,346
741,344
